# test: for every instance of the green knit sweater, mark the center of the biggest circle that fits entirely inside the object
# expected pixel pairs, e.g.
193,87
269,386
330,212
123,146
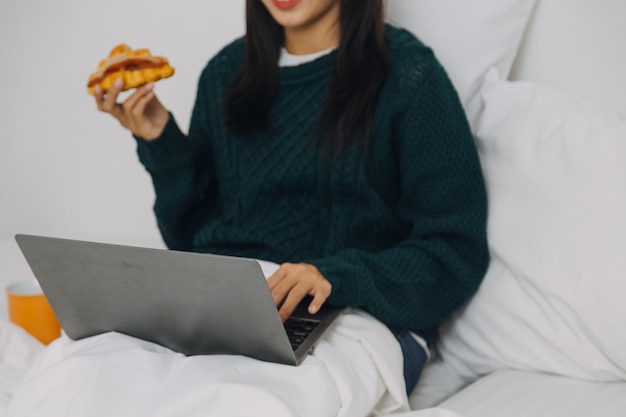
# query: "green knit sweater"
400,233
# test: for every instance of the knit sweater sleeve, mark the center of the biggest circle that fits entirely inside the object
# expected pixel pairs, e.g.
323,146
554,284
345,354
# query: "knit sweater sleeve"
181,174
426,277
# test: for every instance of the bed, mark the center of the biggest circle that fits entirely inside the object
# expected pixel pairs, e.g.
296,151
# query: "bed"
543,85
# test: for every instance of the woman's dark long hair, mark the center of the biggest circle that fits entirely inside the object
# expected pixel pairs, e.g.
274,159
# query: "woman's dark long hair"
360,70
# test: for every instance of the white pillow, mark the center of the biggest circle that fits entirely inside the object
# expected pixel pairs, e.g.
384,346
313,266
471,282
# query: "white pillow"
468,37
553,299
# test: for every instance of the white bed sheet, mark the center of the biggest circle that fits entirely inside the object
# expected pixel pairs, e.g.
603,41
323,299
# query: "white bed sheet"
354,371
531,394
18,351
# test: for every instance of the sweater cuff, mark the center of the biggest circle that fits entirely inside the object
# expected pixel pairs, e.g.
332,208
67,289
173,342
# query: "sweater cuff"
168,150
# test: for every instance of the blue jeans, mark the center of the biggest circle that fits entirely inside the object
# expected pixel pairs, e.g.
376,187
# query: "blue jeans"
415,358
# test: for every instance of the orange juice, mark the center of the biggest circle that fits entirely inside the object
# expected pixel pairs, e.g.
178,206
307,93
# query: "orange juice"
29,309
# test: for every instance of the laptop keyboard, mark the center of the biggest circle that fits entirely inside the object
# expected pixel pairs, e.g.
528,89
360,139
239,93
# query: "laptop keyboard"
298,330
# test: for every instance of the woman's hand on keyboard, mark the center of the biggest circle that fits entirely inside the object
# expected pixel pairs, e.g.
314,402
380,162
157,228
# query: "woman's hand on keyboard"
292,282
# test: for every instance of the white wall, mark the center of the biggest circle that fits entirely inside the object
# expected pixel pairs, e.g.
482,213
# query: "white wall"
65,168
68,170
578,46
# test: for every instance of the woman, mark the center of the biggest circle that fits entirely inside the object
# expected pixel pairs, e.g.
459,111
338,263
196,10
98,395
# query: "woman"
334,145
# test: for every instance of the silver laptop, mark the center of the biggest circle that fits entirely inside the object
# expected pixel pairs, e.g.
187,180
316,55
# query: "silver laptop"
192,303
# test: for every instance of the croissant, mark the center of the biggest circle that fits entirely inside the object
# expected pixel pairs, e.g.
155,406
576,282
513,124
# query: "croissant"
134,67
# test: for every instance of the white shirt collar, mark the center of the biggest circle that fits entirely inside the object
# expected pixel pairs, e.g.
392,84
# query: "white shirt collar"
290,60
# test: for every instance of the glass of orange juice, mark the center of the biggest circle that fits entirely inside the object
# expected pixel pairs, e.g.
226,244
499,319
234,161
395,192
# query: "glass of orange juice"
29,309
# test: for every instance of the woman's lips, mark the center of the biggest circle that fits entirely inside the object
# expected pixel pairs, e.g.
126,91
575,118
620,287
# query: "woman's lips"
285,4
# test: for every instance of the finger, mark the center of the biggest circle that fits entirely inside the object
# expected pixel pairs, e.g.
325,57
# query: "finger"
291,302
273,281
319,298
98,93
138,96
140,107
281,289
110,100
278,276
275,278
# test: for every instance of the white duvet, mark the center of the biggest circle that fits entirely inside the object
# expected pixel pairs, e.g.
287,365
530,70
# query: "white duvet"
356,370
